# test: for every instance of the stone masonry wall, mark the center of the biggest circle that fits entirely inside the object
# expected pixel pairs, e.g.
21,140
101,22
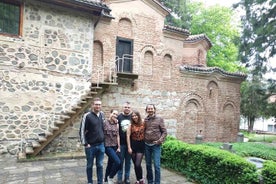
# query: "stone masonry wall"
44,72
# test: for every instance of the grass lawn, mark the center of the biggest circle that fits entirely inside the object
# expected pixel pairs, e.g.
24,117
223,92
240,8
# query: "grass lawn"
261,146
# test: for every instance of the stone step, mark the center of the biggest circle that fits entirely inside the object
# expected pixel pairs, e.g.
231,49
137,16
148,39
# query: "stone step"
76,107
48,133
42,138
59,122
63,117
53,128
89,97
82,101
69,112
29,150
36,144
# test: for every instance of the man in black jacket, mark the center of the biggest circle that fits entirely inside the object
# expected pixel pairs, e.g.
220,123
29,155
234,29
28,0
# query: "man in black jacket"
92,137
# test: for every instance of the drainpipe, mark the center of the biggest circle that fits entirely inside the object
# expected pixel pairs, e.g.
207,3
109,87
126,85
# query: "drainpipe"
97,21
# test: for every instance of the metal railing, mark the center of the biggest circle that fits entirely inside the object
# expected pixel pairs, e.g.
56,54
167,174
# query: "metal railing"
124,64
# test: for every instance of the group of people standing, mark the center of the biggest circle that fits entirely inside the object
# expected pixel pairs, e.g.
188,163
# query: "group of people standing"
122,137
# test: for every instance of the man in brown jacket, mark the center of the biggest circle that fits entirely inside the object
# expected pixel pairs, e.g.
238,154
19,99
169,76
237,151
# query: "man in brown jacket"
155,134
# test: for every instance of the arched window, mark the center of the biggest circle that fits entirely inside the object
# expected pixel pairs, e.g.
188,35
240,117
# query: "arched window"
148,61
167,66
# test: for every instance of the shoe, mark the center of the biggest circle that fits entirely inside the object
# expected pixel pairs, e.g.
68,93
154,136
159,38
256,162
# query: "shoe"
137,182
119,182
141,181
110,180
127,181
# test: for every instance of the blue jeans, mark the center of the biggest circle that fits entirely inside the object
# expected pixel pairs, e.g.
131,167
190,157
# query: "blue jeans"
113,163
153,152
125,158
97,152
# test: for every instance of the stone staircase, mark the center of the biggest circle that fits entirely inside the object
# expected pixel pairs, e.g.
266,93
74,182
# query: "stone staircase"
35,146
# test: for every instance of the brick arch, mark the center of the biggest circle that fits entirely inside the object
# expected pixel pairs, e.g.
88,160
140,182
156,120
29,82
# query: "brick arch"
230,123
127,16
190,121
212,90
98,60
97,53
146,48
231,103
167,66
194,97
125,28
168,52
148,62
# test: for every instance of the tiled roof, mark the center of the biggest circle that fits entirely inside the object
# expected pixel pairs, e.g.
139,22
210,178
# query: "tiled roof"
161,5
195,38
97,3
209,70
95,7
177,29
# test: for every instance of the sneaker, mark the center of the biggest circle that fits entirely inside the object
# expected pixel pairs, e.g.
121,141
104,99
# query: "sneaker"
127,181
142,181
110,180
119,182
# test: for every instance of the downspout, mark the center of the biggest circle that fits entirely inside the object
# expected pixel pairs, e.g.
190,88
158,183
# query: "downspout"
98,20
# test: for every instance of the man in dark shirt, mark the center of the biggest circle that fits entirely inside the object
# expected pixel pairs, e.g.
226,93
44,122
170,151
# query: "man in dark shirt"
92,137
124,122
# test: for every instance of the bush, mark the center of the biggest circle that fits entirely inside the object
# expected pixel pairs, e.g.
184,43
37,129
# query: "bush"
269,172
205,164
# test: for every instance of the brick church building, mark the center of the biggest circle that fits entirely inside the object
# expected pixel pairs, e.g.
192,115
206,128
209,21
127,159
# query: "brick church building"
64,53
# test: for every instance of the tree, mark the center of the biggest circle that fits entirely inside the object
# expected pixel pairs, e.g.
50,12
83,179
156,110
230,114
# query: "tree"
258,38
180,17
257,47
252,101
216,23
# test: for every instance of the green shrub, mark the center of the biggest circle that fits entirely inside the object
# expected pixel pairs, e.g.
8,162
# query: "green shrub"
207,165
269,172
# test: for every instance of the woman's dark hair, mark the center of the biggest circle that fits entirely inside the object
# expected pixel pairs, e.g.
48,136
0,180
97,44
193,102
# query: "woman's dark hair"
138,114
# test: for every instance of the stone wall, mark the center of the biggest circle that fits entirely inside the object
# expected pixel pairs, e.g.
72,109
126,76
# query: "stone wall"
44,72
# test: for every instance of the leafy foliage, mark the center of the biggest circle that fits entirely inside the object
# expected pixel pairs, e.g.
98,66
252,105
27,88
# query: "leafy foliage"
216,23
254,100
269,172
258,39
205,164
